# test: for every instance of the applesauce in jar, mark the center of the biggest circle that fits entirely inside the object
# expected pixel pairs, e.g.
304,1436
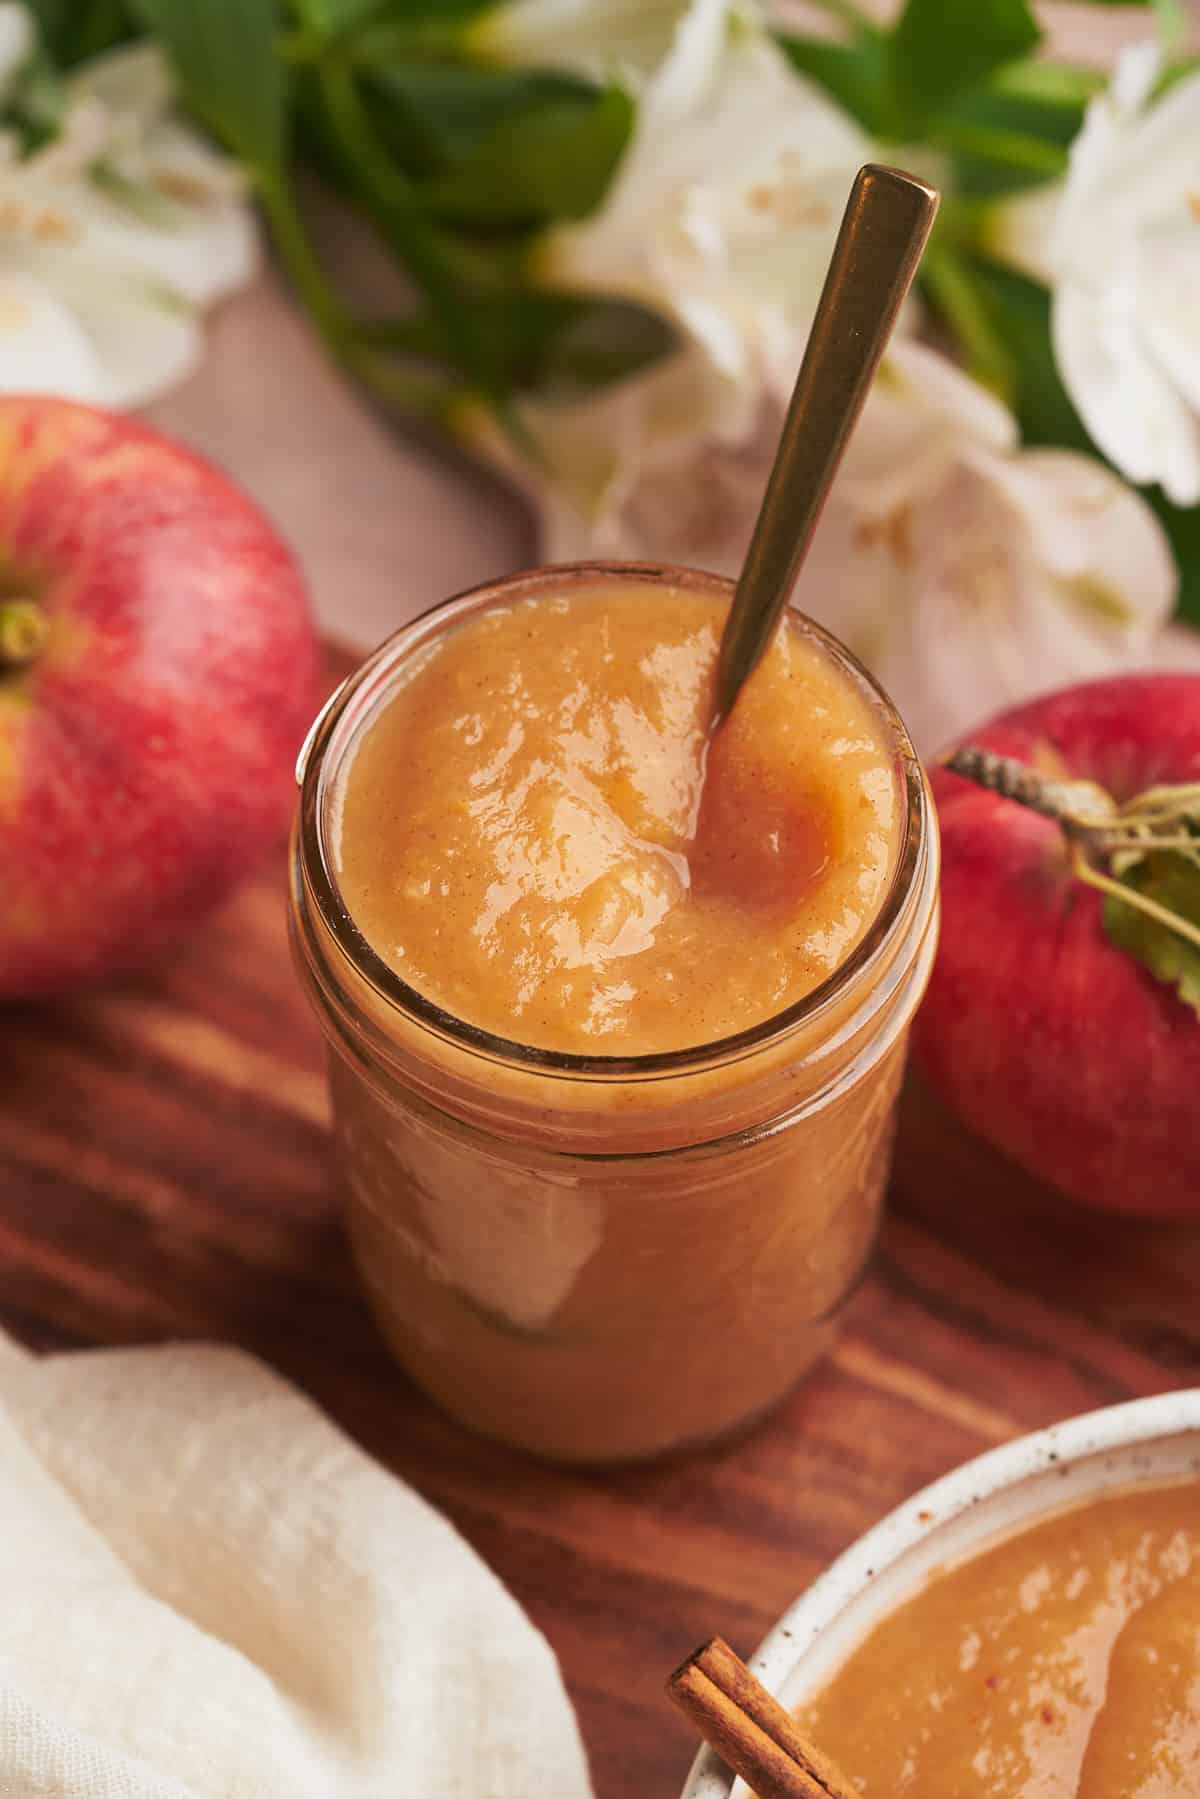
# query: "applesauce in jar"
616,1006
1061,1663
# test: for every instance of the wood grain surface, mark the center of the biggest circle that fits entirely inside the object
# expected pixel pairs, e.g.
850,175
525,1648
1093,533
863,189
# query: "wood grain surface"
164,1172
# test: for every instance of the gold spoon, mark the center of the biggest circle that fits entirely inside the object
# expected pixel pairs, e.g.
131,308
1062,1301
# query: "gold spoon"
887,222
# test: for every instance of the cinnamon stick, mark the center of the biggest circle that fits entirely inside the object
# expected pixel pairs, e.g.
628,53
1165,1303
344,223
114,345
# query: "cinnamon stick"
750,1730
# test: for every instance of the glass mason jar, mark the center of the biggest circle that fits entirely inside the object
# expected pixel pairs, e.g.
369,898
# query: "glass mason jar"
603,1258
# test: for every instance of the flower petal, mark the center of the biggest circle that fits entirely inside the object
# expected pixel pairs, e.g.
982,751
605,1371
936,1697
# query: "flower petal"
920,412
686,80
141,340
132,82
595,38
1169,286
1127,167
18,40
1129,407
43,348
200,252
724,209
1095,536
1016,574
1138,68
1160,150
1024,231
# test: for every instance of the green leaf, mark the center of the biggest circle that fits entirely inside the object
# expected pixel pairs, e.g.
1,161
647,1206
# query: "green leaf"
1173,881
37,109
1019,310
417,15
332,18
1034,111
1182,526
1176,71
1014,131
405,28
230,74
600,341
1049,86
947,277
71,30
554,345
433,116
941,49
853,74
989,160
373,178
553,162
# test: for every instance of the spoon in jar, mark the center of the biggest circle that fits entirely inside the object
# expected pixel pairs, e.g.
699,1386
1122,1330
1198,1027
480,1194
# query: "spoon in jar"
886,225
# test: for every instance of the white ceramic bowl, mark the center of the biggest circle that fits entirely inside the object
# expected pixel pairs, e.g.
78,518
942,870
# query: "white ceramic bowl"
1146,1440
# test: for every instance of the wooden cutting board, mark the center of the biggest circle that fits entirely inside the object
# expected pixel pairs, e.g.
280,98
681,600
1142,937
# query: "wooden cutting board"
164,1172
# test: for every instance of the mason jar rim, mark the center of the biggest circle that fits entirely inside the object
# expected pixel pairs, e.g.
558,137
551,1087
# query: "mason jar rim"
314,777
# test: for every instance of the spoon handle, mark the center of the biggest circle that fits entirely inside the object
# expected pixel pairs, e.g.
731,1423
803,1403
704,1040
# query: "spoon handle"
887,221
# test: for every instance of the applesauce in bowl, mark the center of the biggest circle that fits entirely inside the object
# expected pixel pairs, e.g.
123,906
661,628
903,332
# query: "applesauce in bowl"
616,1009
1028,1627
1061,1663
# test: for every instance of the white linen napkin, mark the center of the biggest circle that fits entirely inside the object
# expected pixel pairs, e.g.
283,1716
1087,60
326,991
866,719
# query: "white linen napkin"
207,1591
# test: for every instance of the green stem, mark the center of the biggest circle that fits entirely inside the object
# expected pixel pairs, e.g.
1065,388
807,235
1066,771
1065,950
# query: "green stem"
24,630
1172,20
849,14
1016,150
388,193
1066,86
426,399
956,296
300,259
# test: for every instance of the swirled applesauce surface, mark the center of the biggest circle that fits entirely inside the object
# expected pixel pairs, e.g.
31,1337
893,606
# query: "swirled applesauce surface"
1064,1663
537,833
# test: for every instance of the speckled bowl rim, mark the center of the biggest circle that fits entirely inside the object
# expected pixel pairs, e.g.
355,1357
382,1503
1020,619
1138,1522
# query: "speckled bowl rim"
1124,1428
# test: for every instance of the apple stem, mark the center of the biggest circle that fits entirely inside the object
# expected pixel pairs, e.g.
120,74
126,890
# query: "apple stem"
1162,818
24,629
1078,806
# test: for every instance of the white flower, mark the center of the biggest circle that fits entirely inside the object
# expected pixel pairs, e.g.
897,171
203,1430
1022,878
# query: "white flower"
1119,244
970,574
721,218
113,235
967,573
601,39
723,211
18,40
602,460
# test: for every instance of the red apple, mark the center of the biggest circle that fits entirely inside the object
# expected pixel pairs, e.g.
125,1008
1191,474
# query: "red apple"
1044,1036
157,673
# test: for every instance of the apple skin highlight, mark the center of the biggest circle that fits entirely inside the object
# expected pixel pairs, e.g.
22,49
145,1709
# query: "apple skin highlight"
146,747
1040,1033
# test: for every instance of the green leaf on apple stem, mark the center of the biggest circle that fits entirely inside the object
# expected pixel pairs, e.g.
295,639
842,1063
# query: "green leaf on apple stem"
1172,880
